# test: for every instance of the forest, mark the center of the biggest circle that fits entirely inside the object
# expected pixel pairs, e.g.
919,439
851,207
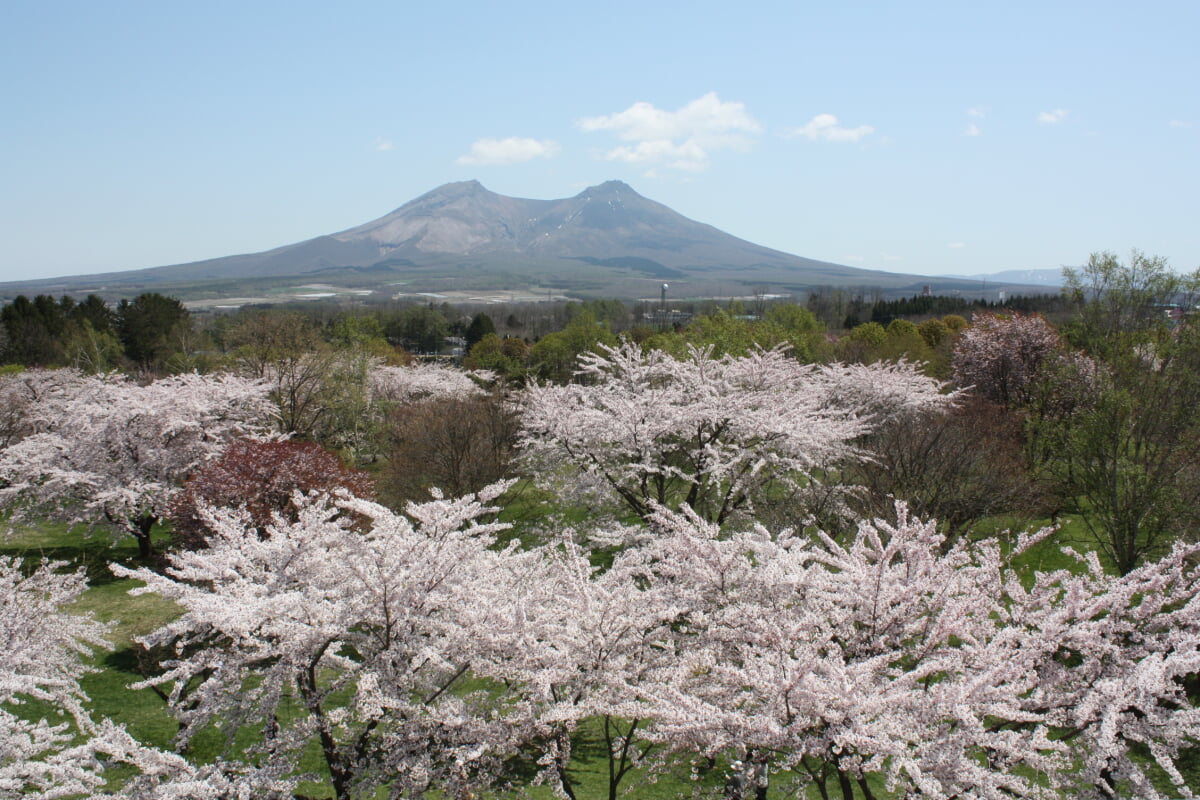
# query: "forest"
851,548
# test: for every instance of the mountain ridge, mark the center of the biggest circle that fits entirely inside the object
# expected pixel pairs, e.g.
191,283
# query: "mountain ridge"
607,240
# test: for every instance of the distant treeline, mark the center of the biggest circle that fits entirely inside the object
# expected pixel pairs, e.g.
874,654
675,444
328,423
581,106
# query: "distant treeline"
156,333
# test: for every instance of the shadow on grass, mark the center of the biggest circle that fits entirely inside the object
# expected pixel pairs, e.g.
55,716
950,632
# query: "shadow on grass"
78,547
124,660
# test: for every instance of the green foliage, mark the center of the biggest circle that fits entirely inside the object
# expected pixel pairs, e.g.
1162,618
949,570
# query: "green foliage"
554,356
934,332
1127,445
862,344
506,357
728,333
1123,307
419,329
481,325
90,350
152,327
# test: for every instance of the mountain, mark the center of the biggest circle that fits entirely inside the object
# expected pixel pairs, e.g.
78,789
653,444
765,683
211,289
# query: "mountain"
1028,277
607,240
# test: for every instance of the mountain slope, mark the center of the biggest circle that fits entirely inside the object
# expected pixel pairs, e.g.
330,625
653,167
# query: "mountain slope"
606,240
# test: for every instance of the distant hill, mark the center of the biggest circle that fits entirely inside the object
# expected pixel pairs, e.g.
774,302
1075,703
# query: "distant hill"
607,240
1030,277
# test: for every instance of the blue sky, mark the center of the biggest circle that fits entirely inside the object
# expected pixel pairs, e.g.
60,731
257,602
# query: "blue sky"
919,137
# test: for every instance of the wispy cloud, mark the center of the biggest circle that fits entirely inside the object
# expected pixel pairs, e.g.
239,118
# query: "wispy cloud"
825,127
1052,117
513,150
890,257
957,245
1179,123
975,113
683,139
382,145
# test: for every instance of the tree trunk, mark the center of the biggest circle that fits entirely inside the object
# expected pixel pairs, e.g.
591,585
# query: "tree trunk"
145,524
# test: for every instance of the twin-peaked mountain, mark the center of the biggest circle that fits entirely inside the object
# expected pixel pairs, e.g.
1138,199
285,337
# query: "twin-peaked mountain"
609,224
607,240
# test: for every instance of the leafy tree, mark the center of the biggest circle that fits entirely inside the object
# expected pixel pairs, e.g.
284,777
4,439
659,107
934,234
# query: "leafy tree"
90,350
554,356
955,323
863,344
1130,449
481,325
152,328
803,332
420,329
264,478
506,357
934,332
1122,307
34,329
361,333
903,341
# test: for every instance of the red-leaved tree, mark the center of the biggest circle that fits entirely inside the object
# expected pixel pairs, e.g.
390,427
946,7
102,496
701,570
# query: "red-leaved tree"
263,476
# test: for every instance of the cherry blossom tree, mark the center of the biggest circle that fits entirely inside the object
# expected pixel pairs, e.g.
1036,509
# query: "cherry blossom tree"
944,674
40,660
426,380
1000,356
710,432
106,449
582,640
369,633
27,396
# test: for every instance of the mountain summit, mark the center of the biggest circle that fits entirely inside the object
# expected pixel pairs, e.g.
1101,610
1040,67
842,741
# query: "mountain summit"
608,240
601,222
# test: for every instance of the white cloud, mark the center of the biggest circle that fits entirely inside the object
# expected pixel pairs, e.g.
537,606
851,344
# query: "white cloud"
889,257
382,145
682,139
513,150
957,245
1052,117
977,112
1178,123
826,128
973,129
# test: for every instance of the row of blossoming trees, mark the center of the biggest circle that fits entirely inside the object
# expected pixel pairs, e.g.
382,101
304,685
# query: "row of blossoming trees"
417,654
